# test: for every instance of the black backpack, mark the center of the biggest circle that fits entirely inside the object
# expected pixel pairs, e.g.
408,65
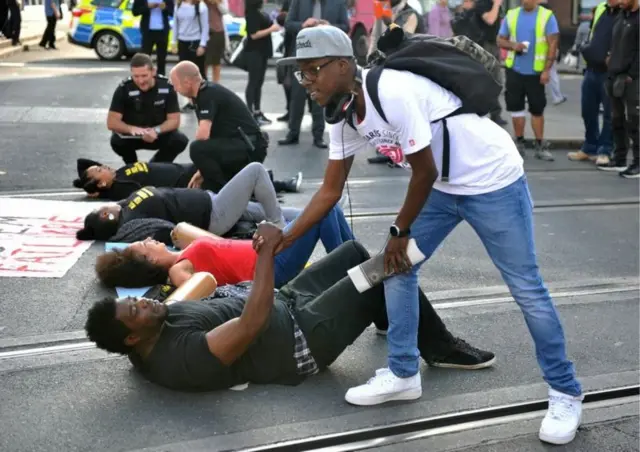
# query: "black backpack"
456,64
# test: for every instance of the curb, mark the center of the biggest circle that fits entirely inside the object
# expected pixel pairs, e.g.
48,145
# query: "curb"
27,42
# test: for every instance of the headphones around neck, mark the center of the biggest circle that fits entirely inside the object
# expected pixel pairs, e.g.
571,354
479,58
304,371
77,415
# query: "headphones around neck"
342,106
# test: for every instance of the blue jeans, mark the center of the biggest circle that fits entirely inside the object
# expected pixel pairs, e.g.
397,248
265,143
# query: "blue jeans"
596,141
503,220
333,230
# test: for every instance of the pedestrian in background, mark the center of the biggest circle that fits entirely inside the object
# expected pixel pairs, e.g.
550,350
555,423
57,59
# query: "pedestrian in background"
305,14
622,87
531,35
154,28
598,143
52,11
190,36
217,37
440,20
259,48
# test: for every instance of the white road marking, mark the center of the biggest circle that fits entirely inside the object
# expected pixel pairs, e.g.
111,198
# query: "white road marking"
82,115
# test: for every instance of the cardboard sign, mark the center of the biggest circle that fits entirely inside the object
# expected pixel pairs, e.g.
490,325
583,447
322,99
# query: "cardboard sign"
37,237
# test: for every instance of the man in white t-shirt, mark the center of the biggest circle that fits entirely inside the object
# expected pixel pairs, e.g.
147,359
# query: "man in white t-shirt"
486,187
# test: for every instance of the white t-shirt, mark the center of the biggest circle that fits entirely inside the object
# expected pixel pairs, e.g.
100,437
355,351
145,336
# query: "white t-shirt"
483,158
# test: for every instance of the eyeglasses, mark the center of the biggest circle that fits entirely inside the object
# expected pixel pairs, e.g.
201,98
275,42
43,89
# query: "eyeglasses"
311,75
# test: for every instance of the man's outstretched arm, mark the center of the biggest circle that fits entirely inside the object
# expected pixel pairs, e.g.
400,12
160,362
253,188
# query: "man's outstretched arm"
229,341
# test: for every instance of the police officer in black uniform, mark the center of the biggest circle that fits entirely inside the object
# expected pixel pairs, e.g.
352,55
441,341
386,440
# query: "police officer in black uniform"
144,114
228,137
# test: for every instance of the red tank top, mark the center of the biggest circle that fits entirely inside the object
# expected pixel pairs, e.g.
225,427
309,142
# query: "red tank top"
229,261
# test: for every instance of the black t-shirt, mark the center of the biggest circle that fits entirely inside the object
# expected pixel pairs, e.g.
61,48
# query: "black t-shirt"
256,21
145,109
134,176
225,110
489,33
181,358
191,205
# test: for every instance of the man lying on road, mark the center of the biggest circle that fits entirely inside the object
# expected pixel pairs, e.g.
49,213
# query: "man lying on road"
252,333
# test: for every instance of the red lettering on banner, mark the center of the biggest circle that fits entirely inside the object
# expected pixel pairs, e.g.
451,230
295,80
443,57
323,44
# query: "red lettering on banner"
55,219
75,243
22,268
59,229
38,256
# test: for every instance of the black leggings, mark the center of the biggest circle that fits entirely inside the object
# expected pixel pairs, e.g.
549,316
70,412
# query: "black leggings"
187,52
333,314
257,68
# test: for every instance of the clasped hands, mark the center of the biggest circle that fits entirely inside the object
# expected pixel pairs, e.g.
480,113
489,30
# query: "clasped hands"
268,237
148,134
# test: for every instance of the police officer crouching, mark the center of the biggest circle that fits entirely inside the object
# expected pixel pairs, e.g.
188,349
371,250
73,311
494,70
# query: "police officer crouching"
228,137
144,114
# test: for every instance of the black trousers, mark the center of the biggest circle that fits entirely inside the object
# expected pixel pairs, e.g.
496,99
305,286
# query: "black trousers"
624,119
49,36
297,105
159,38
168,145
14,21
187,52
219,159
333,314
257,68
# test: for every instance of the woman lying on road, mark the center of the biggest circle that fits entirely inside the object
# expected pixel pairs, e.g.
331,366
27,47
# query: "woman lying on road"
102,181
153,212
149,262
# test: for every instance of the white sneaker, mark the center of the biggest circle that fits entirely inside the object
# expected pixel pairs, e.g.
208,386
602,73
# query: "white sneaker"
563,418
384,387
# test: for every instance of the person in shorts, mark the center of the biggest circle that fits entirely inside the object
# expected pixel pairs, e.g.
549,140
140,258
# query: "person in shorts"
217,39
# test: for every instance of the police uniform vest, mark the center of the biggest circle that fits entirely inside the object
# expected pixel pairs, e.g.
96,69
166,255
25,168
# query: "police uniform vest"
541,47
146,109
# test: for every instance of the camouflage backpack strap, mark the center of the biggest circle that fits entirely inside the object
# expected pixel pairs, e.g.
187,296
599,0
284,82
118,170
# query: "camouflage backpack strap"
479,54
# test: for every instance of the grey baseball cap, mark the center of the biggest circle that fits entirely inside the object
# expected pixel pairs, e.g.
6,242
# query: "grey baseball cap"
320,42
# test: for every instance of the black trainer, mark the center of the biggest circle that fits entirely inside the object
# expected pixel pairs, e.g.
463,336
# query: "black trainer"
632,172
460,355
613,166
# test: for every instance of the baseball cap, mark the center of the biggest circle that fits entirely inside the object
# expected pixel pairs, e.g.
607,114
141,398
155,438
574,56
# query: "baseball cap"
320,42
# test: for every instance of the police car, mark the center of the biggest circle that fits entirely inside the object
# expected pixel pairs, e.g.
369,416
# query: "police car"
110,28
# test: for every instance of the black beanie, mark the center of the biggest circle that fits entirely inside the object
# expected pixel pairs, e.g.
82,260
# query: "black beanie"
83,182
96,228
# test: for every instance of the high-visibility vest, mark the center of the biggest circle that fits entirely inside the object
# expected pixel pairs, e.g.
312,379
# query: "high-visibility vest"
600,9
541,47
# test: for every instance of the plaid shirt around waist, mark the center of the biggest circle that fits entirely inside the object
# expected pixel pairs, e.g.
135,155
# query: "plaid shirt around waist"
305,363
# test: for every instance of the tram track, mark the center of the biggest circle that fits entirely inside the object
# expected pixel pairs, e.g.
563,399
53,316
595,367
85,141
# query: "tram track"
16,348
417,429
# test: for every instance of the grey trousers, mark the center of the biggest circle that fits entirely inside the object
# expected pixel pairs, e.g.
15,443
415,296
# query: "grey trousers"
233,203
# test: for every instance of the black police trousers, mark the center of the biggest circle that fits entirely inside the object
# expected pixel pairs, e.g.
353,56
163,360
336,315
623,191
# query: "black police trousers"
332,314
168,145
219,159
